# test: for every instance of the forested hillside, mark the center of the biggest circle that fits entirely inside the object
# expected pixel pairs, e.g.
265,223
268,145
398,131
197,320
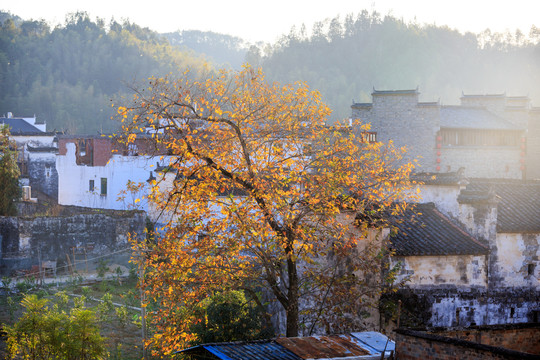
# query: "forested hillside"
67,76
220,49
345,58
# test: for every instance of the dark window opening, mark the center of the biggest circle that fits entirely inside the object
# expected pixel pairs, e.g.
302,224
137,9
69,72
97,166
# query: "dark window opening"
91,185
103,186
369,136
512,313
530,269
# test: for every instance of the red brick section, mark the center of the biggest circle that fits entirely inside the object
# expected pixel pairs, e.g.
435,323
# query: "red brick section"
421,345
510,337
102,151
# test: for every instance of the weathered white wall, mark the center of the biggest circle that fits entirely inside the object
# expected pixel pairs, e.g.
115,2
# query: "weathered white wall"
514,254
73,181
445,198
456,270
34,140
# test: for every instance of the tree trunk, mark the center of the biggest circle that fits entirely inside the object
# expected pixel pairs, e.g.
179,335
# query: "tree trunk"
292,308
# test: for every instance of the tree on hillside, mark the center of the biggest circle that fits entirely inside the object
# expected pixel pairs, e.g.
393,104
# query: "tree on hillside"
9,174
265,199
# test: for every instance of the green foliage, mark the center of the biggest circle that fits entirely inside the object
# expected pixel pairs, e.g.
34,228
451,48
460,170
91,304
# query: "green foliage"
9,174
102,268
229,316
51,333
68,75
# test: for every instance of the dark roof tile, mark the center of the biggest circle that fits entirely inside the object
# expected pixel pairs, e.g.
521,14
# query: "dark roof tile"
518,208
20,126
424,231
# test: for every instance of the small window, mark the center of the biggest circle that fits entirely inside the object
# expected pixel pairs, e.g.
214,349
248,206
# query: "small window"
48,171
91,185
104,186
530,269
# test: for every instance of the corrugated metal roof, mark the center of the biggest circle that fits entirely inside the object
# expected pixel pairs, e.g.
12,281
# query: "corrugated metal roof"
354,345
375,341
320,347
264,350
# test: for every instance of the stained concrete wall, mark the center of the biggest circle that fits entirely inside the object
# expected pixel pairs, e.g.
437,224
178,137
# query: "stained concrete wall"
27,240
42,173
454,270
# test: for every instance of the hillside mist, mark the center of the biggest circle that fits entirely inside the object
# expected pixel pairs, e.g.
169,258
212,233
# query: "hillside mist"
346,58
68,76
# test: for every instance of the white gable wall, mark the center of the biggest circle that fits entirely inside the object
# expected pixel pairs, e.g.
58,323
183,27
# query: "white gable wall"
74,181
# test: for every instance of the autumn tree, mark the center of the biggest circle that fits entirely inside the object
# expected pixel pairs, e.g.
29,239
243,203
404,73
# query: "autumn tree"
9,174
263,197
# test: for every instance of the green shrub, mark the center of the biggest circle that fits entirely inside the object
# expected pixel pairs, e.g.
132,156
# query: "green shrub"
50,333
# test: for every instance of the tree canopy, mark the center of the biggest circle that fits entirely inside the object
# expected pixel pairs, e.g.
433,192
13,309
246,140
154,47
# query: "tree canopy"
9,174
266,198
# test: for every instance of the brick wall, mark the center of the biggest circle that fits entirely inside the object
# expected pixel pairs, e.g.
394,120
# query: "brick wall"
402,119
421,345
515,337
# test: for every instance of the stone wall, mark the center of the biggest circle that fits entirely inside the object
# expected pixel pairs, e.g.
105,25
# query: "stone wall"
431,307
420,345
26,240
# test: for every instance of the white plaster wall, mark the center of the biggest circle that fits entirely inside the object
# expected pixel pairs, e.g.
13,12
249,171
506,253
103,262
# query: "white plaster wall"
429,271
445,198
34,140
73,180
479,223
514,254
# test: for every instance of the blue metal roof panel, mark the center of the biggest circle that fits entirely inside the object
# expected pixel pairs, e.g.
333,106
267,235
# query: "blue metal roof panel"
263,351
375,341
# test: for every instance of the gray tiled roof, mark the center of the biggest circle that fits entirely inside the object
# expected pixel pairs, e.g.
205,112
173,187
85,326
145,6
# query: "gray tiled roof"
462,117
441,178
395,92
20,126
425,231
518,209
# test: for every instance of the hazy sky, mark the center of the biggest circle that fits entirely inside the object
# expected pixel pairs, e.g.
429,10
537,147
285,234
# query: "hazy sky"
257,20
